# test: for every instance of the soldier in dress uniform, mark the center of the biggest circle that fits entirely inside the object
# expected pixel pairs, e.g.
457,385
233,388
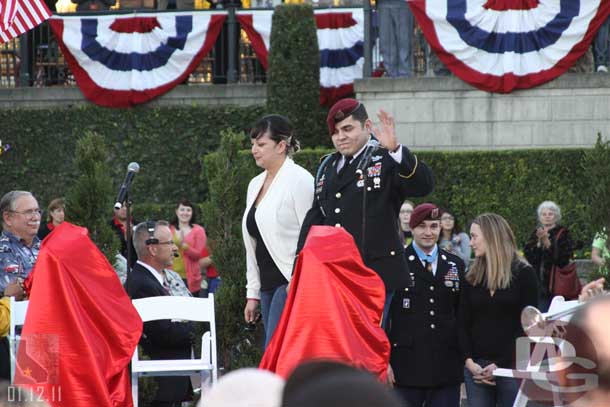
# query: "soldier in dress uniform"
392,175
425,363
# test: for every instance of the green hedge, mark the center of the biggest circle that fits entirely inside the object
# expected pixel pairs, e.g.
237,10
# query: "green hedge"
167,142
597,168
228,172
90,194
511,183
293,78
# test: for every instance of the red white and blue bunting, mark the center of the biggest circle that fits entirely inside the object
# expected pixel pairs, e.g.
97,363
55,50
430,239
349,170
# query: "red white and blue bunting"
121,61
340,40
257,25
501,45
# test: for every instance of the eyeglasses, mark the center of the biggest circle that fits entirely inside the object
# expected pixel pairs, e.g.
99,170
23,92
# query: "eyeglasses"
29,213
169,242
447,218
406,211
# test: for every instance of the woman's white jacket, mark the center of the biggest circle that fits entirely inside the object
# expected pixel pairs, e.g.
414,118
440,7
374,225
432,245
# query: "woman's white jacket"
279,217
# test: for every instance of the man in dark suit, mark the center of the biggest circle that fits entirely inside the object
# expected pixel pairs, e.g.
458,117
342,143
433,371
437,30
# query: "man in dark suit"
392,174
425,363
162,339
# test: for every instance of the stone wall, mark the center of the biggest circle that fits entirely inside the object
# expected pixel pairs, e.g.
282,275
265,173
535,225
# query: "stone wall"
241,95
431,113
448,114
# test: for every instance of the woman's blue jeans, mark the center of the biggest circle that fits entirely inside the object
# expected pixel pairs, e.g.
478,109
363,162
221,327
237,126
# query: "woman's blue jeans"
600,44
272,305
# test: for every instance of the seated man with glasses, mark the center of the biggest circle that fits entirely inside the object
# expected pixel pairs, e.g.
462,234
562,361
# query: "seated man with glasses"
162,339
19,244
19,248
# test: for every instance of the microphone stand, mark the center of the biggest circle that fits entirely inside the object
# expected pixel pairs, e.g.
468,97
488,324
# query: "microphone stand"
128,238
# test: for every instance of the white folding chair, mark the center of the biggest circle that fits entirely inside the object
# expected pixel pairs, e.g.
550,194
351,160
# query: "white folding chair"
180,308
18,311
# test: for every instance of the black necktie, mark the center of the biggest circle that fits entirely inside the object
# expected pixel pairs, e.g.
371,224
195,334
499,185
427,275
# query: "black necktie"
428,266
348,159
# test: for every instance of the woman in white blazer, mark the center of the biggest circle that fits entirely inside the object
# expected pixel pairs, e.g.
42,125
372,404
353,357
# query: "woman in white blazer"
277,202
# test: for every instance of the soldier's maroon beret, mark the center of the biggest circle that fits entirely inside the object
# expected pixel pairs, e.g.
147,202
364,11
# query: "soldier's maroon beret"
425,211
340,111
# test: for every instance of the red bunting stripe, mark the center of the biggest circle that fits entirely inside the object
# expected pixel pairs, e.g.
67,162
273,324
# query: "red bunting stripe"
502,5
135,25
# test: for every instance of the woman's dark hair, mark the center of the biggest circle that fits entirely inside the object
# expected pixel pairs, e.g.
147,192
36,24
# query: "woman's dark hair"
184,202
279,129
456,225
329,384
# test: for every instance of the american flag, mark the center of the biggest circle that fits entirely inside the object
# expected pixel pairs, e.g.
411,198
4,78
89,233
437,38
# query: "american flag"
19,16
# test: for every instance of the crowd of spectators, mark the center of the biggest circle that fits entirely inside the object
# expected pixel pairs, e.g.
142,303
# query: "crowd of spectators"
23,231
456,321
320,383
484,304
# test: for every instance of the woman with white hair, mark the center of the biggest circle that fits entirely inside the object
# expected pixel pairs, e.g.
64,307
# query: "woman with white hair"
549,245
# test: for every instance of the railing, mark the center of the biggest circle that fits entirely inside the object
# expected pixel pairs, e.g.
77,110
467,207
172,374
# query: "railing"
35,59
419,46
10,65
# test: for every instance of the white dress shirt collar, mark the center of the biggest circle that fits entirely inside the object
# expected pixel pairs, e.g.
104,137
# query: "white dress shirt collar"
152,271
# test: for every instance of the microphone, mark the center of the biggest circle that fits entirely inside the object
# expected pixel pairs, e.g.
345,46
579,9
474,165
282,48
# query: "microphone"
369,150
132,170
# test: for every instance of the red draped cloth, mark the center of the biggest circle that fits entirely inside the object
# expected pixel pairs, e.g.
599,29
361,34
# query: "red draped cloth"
81,328
333,310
